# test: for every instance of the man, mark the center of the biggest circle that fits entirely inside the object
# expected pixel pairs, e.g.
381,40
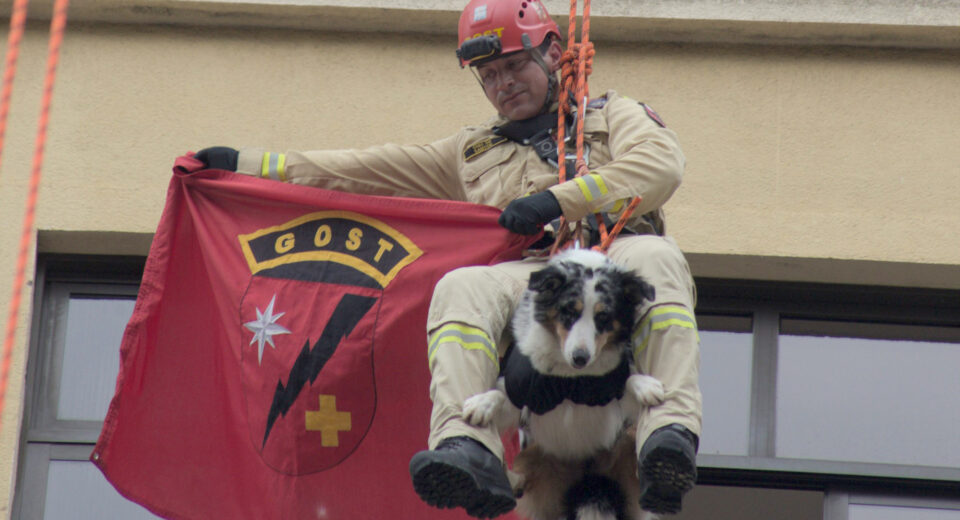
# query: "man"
510,162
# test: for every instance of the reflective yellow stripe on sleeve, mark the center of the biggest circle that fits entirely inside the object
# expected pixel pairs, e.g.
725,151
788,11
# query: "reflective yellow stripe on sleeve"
469,338
616,207
273,166
660,318
592,186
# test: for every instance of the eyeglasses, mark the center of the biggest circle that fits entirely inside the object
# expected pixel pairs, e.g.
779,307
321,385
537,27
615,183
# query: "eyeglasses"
489,75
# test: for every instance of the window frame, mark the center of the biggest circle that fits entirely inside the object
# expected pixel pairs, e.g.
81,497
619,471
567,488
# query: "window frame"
768,304
837,502
43,437
725,305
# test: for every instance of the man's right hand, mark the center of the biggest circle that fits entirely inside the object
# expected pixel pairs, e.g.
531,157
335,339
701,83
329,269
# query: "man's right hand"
218,157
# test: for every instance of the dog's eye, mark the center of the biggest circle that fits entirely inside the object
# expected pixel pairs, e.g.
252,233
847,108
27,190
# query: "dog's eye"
603,320
569,314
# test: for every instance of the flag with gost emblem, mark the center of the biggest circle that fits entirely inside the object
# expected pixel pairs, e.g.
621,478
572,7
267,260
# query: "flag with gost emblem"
275,364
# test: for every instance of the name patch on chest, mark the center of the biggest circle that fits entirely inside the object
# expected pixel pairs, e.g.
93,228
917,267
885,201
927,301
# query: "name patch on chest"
482,146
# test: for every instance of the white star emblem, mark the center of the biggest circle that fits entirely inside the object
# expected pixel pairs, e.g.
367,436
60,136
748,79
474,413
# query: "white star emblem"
265,327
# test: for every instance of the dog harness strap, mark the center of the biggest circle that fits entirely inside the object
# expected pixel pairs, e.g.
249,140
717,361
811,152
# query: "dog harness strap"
542,393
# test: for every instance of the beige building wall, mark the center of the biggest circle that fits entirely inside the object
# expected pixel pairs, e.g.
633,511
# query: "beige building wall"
822,136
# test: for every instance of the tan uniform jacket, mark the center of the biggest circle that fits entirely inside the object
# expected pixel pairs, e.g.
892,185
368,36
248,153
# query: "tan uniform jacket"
630,154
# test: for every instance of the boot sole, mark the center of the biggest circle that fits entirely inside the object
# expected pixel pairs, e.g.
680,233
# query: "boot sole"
445,486
668,474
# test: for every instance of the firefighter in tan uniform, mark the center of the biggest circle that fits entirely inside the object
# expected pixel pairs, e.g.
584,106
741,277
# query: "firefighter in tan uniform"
512,47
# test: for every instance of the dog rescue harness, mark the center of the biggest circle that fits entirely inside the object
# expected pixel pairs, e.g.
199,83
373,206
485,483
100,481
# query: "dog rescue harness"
541,393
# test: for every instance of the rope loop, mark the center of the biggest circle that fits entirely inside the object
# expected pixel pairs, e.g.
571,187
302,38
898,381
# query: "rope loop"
576,64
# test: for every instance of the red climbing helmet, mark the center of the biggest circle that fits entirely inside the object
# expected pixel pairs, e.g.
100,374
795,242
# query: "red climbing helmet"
490,28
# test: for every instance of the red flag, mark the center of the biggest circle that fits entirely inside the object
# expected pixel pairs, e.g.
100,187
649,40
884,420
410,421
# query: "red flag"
275,364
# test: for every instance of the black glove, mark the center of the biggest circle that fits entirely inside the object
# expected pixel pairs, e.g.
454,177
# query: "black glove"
219,157
527,215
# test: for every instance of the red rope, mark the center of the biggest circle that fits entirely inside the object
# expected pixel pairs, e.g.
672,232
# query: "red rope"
18,20
57,27
576,65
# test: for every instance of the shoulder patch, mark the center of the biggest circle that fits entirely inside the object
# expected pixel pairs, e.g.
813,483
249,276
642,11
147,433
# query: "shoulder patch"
482,146
653,115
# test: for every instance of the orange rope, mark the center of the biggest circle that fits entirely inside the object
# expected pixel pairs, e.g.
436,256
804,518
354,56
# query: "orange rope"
18,20
57,26
576,65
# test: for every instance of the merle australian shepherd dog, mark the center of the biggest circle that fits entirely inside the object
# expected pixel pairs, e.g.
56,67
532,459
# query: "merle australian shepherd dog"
569,385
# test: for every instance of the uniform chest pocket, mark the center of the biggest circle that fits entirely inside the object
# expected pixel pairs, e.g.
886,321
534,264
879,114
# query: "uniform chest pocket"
489,178
487,162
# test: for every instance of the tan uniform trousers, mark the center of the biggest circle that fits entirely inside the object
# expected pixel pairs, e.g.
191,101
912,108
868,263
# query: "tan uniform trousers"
468,332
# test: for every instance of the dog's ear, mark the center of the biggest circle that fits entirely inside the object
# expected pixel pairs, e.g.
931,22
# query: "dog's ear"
636,289
546,282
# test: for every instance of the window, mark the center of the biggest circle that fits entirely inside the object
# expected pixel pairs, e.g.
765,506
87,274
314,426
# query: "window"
843,505
727,360
820,402
826,388
898,405
83,307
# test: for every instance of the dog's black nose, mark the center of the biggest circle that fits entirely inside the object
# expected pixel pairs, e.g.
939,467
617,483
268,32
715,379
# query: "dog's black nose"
580,358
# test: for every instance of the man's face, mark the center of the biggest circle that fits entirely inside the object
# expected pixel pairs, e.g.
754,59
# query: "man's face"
515,84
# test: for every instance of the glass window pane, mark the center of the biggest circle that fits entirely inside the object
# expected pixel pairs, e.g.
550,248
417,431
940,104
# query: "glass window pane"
874,512
726,361
77,489
868,400
91,356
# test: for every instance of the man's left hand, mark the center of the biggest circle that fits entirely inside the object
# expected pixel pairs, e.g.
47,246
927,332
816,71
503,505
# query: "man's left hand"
527,215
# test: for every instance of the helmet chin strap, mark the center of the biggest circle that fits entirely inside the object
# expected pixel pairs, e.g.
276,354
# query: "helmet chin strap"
552,82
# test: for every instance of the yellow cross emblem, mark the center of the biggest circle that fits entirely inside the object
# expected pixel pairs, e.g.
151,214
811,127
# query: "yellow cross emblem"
328,421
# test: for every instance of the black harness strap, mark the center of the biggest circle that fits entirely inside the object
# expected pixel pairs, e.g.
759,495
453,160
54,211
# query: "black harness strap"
541,393
536,132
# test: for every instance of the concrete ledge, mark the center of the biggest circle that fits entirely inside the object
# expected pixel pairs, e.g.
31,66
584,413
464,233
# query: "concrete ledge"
94,242
875,23
825,270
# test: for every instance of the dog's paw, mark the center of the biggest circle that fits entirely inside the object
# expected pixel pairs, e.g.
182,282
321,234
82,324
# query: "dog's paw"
647,389
481,409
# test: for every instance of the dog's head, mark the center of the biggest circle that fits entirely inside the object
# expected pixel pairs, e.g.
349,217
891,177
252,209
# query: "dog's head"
589,303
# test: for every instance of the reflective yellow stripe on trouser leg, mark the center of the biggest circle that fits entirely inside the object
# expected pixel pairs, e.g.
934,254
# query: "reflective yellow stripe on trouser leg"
658,318
469,338
666,346
463,362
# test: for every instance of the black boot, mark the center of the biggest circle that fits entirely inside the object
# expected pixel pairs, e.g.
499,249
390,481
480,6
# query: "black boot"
667,468
461,472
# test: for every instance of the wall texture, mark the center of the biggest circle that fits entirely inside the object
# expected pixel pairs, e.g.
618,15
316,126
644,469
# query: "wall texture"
821,136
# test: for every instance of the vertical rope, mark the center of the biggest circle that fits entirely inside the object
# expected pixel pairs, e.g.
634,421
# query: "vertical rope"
57,27
576,65
18,20
582,91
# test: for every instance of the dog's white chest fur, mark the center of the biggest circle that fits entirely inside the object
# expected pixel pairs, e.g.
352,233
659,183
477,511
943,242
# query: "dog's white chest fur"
576,431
